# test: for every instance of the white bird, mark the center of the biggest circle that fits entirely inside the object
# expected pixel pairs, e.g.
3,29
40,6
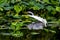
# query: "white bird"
37,25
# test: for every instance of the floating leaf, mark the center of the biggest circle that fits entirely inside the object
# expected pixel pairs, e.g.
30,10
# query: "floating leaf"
58,9
35,7
50,8
8,8
3,2
1,9
17,34
17,8
47,1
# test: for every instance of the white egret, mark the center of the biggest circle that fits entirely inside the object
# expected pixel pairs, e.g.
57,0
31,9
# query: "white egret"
39,25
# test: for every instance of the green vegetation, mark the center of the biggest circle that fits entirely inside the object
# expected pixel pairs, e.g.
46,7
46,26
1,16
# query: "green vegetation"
13,18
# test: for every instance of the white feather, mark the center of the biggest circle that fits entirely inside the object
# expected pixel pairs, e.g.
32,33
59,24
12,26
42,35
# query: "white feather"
38,18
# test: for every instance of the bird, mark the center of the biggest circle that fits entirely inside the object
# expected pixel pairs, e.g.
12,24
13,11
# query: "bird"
38,25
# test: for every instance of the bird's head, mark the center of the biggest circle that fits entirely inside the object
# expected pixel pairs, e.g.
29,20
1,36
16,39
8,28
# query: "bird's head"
29,12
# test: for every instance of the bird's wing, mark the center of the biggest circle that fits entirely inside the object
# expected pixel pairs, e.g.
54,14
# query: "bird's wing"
39,19
36,17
